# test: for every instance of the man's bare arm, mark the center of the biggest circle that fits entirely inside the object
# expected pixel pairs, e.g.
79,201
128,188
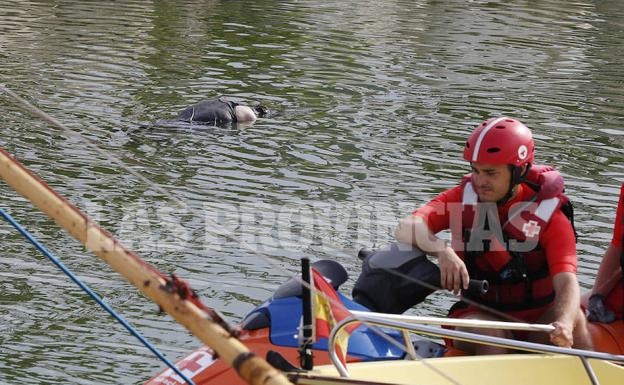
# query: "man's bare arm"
453,273
567,303
609,272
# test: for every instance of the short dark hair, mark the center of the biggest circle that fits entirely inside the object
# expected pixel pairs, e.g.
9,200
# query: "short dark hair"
261,111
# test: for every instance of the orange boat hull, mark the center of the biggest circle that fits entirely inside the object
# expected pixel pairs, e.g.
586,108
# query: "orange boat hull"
203,369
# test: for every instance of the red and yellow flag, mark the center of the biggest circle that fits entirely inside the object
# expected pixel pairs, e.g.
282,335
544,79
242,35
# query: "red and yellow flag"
328,311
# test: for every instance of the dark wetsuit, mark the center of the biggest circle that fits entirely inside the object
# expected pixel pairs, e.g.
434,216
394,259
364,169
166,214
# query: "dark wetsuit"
215,112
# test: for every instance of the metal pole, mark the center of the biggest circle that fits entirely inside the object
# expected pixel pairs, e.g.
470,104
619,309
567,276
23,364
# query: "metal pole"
458,335
457,322
590,371
307,328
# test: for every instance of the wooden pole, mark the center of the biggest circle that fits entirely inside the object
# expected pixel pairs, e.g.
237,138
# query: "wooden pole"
147,279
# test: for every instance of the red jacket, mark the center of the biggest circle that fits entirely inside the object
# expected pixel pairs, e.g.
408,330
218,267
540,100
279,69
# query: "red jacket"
517,253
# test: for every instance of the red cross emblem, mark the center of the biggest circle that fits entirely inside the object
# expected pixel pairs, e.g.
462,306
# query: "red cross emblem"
190,366
523,151
531,229
192,363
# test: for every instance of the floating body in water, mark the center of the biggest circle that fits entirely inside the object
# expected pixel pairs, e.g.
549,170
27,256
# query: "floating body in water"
220,112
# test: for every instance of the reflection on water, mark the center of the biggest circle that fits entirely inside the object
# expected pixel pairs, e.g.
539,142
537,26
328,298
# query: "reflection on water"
373,104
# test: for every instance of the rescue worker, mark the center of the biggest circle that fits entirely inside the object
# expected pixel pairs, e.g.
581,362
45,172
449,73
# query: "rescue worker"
220,112
607,297
507,226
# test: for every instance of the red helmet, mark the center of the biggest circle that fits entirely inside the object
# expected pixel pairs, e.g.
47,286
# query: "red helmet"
500,141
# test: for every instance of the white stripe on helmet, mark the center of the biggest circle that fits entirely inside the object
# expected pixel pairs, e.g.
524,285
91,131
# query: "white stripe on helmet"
487,128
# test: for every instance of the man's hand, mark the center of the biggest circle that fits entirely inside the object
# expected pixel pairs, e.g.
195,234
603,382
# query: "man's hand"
562,335
597,312
453,272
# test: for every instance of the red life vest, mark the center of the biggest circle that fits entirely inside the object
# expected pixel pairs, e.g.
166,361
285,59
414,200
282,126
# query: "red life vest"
505,250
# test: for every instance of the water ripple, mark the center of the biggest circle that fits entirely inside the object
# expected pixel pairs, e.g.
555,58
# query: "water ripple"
371,107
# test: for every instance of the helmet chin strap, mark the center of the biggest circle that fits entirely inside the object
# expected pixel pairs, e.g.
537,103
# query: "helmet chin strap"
517,177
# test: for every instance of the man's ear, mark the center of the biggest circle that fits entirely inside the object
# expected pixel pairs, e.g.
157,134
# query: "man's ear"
525,168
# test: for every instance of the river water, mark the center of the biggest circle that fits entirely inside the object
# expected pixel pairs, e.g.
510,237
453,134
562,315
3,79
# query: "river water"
371,104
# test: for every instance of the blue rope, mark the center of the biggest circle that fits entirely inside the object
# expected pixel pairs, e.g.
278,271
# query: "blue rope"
92,294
